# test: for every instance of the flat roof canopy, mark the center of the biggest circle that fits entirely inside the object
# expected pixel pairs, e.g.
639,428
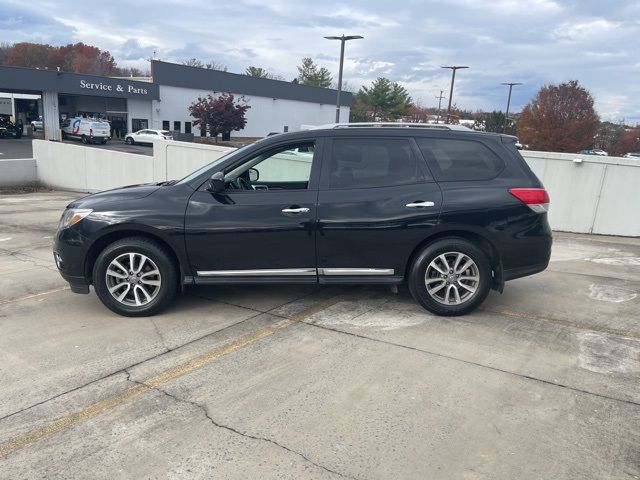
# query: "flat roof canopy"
19,79
174,75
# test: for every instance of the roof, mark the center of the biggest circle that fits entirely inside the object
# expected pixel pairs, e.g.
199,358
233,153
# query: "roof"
175,75
22,79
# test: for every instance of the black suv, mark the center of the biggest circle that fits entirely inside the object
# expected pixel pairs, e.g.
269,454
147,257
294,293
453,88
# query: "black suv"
452,212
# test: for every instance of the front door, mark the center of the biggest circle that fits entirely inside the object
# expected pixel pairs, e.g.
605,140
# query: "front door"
262,227
377,203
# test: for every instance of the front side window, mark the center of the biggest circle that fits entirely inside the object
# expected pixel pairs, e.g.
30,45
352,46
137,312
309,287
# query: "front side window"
287,167
459,160
372,162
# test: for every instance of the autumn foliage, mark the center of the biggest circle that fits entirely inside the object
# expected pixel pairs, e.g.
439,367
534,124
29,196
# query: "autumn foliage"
77,58
219,114
629,141
561,118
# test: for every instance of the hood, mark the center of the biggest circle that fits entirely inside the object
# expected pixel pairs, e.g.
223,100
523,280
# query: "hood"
130,192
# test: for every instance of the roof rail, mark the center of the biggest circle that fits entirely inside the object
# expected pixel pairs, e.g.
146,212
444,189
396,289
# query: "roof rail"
433,126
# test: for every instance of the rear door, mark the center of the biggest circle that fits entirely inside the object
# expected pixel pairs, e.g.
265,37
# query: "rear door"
377,202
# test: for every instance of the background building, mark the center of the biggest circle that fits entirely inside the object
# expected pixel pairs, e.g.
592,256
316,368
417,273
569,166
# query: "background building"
162,101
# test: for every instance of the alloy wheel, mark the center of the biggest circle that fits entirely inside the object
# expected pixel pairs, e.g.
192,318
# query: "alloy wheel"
452,278
133,279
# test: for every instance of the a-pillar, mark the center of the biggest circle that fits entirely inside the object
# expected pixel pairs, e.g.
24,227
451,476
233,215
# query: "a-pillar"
51,116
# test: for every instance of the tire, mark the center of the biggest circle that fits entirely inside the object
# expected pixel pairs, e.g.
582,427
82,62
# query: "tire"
84,139
129,141
103,142
441,297
64,135
135,302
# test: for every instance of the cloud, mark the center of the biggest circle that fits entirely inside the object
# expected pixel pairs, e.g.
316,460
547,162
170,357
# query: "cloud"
536,42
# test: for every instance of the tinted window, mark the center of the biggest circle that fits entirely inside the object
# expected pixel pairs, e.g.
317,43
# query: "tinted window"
371,162
455,160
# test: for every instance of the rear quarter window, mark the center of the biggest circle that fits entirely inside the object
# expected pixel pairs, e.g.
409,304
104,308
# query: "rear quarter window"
460,160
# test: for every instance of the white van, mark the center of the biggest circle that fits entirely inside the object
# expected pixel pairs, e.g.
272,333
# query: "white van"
88,130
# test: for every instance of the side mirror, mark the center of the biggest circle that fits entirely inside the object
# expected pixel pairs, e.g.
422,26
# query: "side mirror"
254,175
216,183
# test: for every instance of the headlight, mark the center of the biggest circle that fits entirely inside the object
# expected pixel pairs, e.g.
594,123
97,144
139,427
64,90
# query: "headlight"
71,216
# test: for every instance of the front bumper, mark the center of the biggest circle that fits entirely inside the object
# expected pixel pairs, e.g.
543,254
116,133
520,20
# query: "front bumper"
69,254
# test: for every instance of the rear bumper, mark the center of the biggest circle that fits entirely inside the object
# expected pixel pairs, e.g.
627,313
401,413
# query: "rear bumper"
520,272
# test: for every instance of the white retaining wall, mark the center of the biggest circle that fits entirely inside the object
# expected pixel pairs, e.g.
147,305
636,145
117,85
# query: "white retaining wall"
17,172
86,169
597,195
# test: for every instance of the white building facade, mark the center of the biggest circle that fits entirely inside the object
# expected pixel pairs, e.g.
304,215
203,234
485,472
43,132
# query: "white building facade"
276,106
162,101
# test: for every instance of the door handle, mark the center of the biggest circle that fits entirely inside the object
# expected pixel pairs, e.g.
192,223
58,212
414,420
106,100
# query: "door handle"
419,204
295,211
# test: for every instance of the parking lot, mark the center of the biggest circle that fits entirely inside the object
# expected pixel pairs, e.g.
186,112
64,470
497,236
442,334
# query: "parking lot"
313,382
21,148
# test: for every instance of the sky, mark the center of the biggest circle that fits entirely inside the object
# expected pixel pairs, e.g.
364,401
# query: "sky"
536,42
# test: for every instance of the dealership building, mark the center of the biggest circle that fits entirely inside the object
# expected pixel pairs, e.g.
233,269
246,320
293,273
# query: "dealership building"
162,101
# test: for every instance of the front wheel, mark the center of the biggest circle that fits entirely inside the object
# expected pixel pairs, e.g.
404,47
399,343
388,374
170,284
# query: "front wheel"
128,141
450,277
135,277
84,139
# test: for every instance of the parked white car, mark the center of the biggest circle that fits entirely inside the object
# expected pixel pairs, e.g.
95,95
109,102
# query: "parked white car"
147,136
37,124
88,130
631,155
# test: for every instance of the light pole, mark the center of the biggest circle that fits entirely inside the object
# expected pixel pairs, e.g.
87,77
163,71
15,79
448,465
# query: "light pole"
453,79
506,115
439,97
343,39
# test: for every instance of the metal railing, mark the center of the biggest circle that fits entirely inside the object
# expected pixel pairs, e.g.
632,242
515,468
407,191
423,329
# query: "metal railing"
432,126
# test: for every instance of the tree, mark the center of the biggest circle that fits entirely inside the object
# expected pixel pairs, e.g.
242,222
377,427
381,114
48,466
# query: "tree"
211,65
494,122
77,57
560,118
219,114
384,100
310,74
259,72
608,135
629,141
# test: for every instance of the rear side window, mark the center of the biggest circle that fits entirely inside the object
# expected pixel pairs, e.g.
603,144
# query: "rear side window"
458,160
372,162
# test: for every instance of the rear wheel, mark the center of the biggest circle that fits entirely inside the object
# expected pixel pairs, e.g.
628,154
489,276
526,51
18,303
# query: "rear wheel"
450,277
135,277
84,139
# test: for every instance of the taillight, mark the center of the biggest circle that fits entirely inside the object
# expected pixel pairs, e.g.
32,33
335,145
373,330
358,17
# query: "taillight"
537,199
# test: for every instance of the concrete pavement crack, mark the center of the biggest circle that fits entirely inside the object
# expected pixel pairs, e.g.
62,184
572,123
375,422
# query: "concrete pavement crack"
162,340
229,428
153,357
23,257
476,364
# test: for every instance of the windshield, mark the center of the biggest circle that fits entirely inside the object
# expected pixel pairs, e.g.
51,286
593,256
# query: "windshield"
217,161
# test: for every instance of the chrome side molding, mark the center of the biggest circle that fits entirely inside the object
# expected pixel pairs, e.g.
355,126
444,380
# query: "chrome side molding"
295,272
355,271
271,272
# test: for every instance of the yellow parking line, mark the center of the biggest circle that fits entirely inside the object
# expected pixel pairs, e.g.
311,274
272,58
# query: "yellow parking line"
113,401
33,295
